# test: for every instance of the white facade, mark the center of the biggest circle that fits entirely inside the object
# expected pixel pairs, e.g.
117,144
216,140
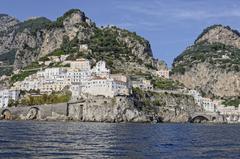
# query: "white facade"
76,89
83,47
229,110
119,77
143,84
6,95
208,105
80,64
51,73
163,73
78,76
30,83
120,87
98,86
79,79
101,70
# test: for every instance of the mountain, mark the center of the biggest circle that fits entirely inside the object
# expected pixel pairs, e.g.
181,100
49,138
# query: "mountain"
23,43
212,64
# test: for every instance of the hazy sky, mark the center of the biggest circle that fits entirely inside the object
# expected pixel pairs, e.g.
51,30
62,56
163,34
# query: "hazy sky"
169,25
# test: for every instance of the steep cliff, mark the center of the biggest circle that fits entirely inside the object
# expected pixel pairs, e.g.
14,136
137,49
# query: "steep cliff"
165,107
119,109
212,64
28,41
169,108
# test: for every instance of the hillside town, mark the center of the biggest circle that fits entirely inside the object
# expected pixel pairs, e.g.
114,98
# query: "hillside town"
82,80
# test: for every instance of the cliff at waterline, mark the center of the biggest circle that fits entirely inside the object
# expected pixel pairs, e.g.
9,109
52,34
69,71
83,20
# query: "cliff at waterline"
212,64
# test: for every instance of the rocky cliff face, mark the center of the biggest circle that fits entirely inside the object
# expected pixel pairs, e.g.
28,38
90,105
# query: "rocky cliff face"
119,109
220,34
36,38
8,26
100,109
212,64
165,107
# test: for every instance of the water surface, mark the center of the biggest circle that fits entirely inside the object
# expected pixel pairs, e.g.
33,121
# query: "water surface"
26,139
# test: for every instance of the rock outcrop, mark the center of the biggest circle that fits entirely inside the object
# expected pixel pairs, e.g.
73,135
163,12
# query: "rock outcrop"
212,64
119,109
166,107
8,26
100,109
35,38
220,34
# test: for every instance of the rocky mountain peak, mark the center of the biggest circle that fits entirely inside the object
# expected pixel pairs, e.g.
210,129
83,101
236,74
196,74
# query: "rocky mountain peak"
220,34
7,22
74,16
212,64
37,38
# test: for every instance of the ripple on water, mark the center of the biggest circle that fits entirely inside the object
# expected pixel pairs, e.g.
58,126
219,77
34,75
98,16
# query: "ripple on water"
27,139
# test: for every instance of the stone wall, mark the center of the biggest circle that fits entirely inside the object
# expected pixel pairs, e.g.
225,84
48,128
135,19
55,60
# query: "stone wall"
94,109
39,112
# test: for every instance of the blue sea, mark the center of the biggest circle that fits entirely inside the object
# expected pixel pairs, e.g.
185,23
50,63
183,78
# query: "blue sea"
30,139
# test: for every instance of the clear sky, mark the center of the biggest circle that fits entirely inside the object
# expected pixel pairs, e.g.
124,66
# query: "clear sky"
169,25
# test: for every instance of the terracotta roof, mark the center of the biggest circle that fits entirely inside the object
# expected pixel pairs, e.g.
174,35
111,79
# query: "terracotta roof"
119,81
99,78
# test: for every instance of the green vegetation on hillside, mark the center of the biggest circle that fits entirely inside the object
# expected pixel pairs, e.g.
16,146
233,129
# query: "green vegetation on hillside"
22,75
151,101
34,25
165,84
33,65
6,71
214,26
59,22
57,52
8,57
104,45
211,53
232,102
53,98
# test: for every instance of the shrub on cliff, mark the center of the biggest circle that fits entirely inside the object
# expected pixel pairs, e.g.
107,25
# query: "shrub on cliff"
46,99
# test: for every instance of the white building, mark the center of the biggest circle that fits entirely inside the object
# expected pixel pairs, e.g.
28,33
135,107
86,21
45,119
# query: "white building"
51,73
120,88
80,64
193,93
79,79
163,73
98,86
6,95
76,89
119,77
78,76
208,105
101,70
228,110
83,47
143,84
30,83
